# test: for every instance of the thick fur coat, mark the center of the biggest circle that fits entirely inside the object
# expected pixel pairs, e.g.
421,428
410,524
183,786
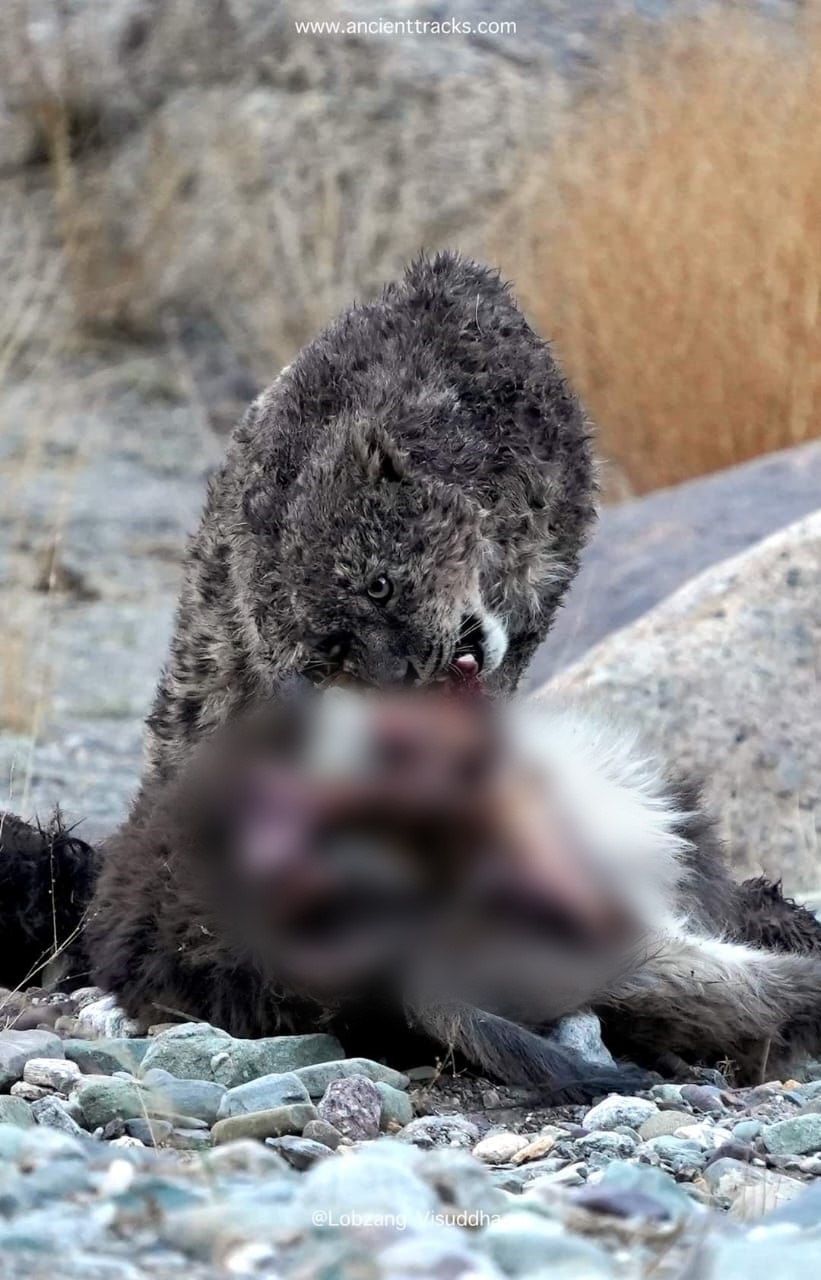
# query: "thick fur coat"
721,970
47,878
420,477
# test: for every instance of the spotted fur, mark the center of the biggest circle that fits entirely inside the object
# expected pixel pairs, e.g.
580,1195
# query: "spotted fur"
428,436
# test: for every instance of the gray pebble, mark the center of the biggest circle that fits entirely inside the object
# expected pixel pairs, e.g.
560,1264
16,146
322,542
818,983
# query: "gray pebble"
397,1108
42,1144
663,1122
643,1185
617,1110
198,1098
703,1097
317,1078
29,1092
264,1124
800,1136
57,1074
194,1051
611,1146
461,1182
152,1133
379,1178
301,1153
322,1131
105,1098
104,1057
245,1156
581,1032
54,1113
17,1047
263,1095
189,1139
353,1106
811,1089
15,1111
746,1130
685,1159
524,1244
667,1095
440,1131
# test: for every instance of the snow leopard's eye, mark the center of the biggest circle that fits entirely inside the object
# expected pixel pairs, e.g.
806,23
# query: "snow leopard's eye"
380,588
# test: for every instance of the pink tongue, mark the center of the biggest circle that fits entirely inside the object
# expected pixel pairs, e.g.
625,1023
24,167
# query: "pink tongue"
467,665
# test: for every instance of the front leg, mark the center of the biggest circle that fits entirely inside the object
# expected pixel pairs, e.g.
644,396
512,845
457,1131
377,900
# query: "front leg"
515,1055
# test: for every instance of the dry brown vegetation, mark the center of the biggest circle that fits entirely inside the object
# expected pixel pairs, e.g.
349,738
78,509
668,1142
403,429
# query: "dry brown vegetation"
671,243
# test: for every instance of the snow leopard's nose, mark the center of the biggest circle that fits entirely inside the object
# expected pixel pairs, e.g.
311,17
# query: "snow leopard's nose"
399,672
385,669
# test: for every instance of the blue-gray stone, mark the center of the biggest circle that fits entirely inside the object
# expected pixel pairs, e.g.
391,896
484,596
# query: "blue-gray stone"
280,1090
11,1139
199,1098
300,1153
379,1179
682,1156
462,1182
397,1108
153,1133
264,1124
440,1131
617,1110
644,1185
525,1243
746,1130
799,1136
103,1099
317,1078
54,1113
204,1053
42,1144
581,1033
437,1255
16,1047
783,1257
15,1111
104,1057
803,1212
606,1144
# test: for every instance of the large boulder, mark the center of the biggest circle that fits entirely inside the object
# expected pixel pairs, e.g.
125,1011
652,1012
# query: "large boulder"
643,550
725,679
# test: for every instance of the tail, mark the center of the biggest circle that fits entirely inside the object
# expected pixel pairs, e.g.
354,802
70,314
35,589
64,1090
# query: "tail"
47,878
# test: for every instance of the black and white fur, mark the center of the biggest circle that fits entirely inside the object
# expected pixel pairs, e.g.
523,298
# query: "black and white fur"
714,970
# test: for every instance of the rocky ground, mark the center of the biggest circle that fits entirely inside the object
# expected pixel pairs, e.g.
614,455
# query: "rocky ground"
187,1152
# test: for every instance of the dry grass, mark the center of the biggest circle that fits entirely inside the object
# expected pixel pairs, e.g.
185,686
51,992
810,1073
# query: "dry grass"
671,243
31,278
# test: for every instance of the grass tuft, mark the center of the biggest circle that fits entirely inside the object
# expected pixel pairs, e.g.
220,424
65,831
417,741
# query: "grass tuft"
671,243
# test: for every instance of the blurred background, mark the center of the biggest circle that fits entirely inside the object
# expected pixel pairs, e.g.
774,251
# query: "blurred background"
189,189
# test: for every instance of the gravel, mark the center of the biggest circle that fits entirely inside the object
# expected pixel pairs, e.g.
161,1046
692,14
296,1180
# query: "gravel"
143,1173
